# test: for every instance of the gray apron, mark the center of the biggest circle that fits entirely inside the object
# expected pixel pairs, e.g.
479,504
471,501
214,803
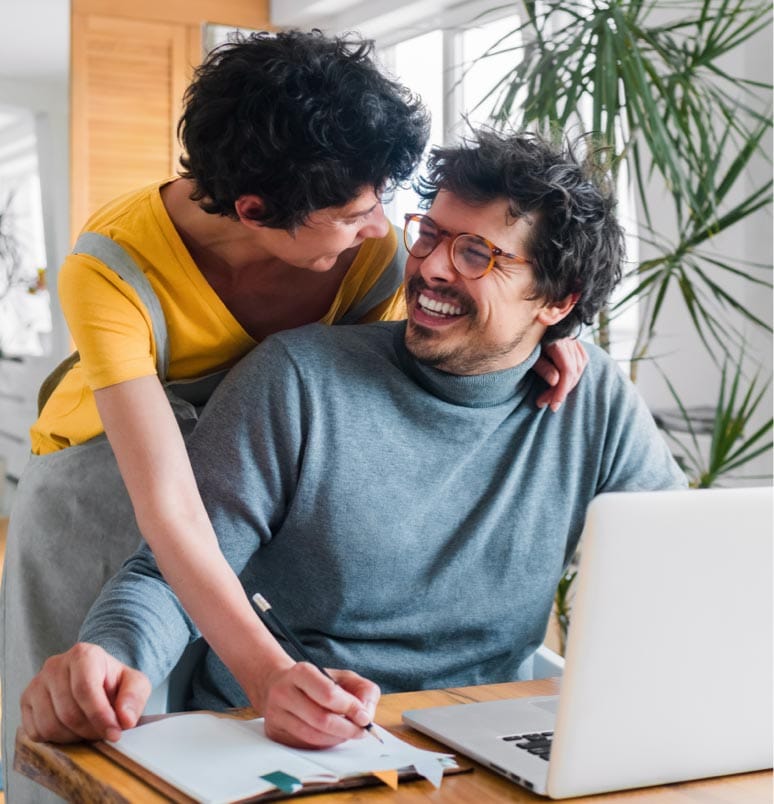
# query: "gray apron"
71,528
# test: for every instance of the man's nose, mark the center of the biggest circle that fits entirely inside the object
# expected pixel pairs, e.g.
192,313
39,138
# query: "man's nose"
377,224
437,266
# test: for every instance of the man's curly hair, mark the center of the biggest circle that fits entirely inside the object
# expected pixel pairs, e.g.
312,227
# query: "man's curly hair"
576,243
302,120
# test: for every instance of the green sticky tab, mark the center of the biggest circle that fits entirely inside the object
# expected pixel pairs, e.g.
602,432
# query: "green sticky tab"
283,781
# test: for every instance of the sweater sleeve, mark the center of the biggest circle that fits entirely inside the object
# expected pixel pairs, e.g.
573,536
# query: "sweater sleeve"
635,455
244,452
138,619
247,448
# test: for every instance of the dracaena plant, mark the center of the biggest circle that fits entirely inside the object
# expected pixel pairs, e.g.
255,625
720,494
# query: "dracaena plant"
734,439
649,79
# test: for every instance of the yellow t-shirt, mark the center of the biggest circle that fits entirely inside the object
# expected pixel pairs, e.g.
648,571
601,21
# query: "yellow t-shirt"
112,329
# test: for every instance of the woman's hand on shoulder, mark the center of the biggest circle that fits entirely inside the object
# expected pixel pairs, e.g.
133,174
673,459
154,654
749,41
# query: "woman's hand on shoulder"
561,365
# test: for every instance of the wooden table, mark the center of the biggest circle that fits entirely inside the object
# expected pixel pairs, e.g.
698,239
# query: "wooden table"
80,773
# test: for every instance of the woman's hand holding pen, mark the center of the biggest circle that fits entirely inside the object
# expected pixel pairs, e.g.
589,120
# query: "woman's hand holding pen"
302,707
305,709
313,707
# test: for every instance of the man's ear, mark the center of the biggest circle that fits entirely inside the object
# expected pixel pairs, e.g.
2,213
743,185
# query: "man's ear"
249,208
554,312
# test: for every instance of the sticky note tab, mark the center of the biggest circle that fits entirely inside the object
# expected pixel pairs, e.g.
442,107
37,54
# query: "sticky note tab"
283,781
389,777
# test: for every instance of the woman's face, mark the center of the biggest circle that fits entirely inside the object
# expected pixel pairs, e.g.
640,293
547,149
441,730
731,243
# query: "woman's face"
317,244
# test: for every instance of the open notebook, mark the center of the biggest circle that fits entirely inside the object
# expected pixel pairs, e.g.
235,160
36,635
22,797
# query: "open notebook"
219,759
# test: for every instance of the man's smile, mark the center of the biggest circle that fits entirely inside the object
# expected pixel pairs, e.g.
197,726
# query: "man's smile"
435,307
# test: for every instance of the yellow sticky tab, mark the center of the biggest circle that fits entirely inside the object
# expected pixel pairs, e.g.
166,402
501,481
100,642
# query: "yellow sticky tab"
389,777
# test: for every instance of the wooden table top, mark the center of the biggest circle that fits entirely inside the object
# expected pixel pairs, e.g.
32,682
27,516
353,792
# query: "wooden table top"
81,773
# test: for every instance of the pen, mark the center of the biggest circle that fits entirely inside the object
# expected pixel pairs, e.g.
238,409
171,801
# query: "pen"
264,607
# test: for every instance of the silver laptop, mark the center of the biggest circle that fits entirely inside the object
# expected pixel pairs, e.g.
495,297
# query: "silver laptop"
668,673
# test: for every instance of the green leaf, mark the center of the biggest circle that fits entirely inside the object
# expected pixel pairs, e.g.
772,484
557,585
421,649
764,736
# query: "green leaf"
657,80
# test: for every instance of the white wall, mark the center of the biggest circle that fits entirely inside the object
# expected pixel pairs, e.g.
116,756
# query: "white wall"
47,100
34,78
682,357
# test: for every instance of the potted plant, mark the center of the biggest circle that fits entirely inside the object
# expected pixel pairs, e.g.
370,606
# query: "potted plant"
650,80
657,95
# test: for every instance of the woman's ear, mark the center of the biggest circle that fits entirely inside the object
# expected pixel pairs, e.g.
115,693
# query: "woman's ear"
553,312
249,208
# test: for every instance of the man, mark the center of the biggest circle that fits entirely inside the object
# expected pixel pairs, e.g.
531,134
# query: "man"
407,507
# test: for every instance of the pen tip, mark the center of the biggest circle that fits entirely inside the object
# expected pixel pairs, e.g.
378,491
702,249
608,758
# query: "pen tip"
370,729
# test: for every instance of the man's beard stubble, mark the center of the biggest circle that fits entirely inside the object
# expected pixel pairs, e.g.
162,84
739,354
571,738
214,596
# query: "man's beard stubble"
426,346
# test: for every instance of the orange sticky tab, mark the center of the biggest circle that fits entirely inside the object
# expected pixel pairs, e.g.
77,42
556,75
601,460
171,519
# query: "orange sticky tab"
389,777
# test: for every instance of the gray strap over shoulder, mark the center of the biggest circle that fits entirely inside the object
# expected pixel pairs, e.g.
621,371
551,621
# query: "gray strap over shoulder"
386,284
118,260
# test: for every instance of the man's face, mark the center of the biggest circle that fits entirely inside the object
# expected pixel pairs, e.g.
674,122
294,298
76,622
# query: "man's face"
473,326
326,233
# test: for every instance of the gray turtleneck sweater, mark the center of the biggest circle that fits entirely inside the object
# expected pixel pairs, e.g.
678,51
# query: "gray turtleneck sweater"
407,524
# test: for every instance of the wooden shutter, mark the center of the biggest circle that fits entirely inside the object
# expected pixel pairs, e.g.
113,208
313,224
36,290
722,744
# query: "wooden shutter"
130,64
132,77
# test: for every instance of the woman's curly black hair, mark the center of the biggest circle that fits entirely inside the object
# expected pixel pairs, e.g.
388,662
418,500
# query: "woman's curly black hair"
302,120
576,242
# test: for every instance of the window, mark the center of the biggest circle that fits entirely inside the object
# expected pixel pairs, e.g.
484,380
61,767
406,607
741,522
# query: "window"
442,66
25,313
445,67
418,63
481,75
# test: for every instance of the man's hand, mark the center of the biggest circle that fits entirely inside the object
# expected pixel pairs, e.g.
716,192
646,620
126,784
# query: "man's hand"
561,365
84,694
305,709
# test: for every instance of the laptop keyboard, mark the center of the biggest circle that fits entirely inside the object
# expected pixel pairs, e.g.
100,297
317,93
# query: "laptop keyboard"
537,743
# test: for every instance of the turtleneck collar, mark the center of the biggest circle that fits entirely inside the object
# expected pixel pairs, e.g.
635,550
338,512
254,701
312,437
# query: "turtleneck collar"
473,390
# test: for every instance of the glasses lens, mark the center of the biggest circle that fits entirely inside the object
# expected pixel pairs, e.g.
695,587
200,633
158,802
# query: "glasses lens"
421,236
472,256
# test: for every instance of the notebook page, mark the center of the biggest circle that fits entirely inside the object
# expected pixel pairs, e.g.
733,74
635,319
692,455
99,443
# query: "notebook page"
356,757
218,760
214,759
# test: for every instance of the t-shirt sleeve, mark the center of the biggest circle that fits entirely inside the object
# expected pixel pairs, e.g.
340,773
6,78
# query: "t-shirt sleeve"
108,323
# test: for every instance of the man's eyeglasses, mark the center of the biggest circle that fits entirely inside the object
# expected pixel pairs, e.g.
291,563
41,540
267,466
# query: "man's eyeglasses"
472,255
